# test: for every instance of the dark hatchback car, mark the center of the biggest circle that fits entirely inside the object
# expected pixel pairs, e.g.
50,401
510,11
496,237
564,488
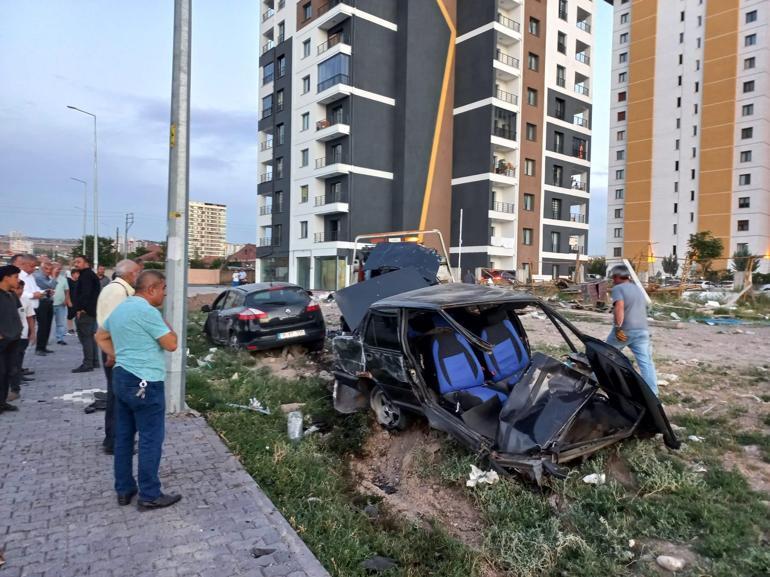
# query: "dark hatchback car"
265,316
458,354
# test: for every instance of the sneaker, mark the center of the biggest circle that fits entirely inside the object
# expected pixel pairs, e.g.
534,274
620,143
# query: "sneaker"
159,503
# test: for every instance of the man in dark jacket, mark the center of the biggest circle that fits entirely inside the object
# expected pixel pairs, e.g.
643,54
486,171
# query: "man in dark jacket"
84,300
10,331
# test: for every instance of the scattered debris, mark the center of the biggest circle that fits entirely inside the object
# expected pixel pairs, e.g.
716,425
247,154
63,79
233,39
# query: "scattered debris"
290,407
595,479
258,552
378,563
294,425
85,396
695,438
479,477
675,316
670,563
749,396
234,377
254,405
698,468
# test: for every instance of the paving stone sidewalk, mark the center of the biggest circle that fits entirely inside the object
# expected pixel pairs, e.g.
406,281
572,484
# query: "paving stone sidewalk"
58,510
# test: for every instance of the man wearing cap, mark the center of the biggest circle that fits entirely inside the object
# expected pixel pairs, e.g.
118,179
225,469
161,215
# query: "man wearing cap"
630,328
10,331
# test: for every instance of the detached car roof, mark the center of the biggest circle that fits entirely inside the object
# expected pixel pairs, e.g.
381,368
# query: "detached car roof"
452,295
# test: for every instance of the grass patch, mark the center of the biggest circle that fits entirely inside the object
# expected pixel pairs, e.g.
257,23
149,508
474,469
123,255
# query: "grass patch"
757,438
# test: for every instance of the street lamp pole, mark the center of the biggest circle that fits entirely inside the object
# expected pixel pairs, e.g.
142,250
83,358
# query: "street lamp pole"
96,189
85,208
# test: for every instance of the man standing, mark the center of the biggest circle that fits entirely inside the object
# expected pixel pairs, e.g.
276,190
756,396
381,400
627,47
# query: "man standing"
629,311
27,264
136,335
84,302
61,298
26,313
10,331
104,280
110,297
47,284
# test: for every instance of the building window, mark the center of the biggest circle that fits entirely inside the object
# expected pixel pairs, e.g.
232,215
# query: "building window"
676,186
618,194
280,134
679,80
529,202
697,42
305,84
692,195
747,110
529,167
692,174
697,87
692,217
620,135
561,76
676,207
563,9
623,57
695,130
307,11
531,132
303,229
622,77
750,40
622,96
616,251
534,26
744,179
304,157
533,61
279,168
681,38
694,152
619,174
681,16
746,156
281,66
306,48
560,107
747,132
749,63
748,86
618,213
675,229
621,115
744,202
304,193
561,42
751,16
624,18
624,38
620,155
676,144
558,142
743,225
527,236
305,121
678,123
617,233
681,59
679,102
676,166
531,96
277,233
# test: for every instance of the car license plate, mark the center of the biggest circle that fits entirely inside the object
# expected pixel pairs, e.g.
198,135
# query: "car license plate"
291,334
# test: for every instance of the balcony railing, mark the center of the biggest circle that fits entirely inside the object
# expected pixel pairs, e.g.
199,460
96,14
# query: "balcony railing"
508,22
267,79
332,41
582,89
555,215
266,145
327,122
579,185
506,170
506,59
328,199
584,25
267,112
331,4
331,236
561,81
580,121
269,241
267,177
577,218
269,13
507,207
507,97
280,39
270,209
336,79
583,57
267,46
328,160
503,132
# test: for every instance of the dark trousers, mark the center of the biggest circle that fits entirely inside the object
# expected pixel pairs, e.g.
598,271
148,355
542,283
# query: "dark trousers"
8,356
18,364
44,314
86,327
109,412
146,416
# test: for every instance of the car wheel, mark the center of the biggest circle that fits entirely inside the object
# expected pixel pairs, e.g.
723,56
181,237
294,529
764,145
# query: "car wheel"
387,413
233,342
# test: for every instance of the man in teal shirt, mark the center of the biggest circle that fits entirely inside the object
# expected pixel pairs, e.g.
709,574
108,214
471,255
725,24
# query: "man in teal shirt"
61,300
136,335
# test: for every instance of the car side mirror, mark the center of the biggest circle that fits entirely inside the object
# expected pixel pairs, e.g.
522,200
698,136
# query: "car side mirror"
205,309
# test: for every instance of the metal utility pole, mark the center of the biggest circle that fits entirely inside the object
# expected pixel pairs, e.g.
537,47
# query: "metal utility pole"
96,190
85,208
178,195
129,224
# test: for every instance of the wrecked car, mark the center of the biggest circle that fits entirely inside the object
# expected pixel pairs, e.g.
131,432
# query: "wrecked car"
458,355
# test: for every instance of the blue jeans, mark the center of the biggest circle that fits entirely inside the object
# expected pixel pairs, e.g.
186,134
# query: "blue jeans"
60,317
640,344
145,416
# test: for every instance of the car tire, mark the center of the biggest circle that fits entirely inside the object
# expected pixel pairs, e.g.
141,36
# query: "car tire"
233,342
385,411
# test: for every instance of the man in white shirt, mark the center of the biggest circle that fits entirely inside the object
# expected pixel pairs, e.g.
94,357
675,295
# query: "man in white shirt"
27,264
111,295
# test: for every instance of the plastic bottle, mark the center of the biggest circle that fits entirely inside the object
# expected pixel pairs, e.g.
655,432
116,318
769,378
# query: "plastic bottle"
295,425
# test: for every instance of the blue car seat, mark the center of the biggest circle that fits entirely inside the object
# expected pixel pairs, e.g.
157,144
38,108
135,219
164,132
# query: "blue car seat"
509,359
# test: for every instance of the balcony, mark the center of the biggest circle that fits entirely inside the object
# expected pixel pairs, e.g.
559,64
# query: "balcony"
584,25
332,13
334,88
267,112
502,242
268,46
265,145
267,14
270,209
507,59
509,23
331,236
333,41
583,57
508,97
504,139
507,207
266,177
329,129
331,166
269,241
581,121
330,204
582,89
267,79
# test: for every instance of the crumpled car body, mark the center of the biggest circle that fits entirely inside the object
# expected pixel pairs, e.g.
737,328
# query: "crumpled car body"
458,355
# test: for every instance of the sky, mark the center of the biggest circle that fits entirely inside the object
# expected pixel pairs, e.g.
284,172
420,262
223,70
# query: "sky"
114,59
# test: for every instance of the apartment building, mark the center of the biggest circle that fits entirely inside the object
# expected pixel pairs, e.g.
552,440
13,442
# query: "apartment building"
689,128
388,115
208,228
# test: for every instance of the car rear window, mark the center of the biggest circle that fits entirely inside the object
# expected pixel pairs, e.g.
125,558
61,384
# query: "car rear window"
284,296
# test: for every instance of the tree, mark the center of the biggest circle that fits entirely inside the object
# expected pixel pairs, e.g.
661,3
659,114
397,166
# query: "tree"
106,249
140,250
217,263
597,266
741,260
670,264
704,248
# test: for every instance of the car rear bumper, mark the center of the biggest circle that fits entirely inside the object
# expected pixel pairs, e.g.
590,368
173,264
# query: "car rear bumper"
263,342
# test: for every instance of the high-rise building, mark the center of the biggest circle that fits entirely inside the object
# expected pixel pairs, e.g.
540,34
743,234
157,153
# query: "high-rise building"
689,128
388,115
208,228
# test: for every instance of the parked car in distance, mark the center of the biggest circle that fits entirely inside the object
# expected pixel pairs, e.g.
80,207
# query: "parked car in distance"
264,316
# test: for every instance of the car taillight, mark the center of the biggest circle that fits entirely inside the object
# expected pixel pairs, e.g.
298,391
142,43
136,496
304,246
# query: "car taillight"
252,315
312,307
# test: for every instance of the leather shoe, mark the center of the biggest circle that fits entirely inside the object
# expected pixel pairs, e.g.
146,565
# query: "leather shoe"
124,500
159,503
49,351
27,372
82,369
60,343
9,407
